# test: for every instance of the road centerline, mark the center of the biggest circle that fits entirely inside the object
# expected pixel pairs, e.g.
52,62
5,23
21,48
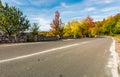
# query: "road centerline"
42,52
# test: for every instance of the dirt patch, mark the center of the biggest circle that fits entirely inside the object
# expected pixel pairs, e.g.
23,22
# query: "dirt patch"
117,46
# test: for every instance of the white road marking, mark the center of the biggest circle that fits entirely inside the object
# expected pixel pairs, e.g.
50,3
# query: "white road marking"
67,40
6,45
112,66
42,52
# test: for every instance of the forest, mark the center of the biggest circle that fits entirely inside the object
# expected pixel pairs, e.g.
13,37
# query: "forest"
86,26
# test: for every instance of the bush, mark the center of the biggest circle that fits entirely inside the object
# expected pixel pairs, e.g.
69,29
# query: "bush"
30,38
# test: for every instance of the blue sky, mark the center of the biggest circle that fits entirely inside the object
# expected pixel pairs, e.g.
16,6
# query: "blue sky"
42,11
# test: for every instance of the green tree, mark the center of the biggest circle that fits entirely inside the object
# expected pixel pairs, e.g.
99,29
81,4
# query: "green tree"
61,24
117,28
1,5
12,21
34,29
108,26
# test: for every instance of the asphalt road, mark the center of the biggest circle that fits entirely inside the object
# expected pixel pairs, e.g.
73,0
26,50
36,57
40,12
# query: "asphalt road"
65,58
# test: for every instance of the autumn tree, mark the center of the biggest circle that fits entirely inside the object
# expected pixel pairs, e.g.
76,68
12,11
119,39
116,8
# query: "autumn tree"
90,25
84,27
73,28
76,28
87,27
56,25
67,29
97,29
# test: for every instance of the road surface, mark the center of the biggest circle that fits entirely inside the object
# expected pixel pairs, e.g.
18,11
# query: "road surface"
64,58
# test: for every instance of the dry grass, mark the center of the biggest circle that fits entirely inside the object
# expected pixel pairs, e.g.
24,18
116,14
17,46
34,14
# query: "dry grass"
117,44
117,38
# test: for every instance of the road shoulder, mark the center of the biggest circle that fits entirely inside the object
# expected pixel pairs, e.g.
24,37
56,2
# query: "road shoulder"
117,47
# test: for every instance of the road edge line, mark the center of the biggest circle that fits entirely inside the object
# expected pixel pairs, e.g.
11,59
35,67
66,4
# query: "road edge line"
113,62
17,44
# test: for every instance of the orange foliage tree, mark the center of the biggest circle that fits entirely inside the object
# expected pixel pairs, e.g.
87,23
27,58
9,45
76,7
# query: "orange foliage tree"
90,25
56,25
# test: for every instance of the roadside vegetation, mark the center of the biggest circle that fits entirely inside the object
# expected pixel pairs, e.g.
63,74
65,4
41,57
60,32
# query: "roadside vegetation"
12,20
13,23
117,37
88,27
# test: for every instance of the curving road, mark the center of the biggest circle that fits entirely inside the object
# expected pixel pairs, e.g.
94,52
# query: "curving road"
64,58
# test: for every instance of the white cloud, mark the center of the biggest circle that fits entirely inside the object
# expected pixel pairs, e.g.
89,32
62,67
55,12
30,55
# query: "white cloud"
13,2
64,5
37,2
98,17
90,9
44,23
98,9
68,12
108,1
17,2
78,17
109,9
41,2
100,1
